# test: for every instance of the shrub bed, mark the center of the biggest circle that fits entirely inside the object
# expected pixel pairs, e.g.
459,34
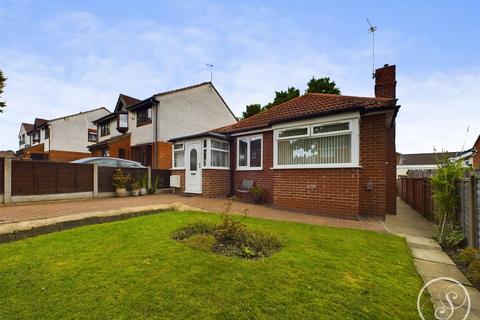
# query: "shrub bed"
229,238
469,262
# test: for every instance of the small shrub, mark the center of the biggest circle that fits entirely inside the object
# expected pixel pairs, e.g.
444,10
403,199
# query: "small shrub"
119,179
473,272
229,238
452,237
467,256
193,229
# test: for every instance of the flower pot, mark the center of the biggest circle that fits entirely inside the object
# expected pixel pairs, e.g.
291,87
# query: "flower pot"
135,192
121,192
257,199
143,191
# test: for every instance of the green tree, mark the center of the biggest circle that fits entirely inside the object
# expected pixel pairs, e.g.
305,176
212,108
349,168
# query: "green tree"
322,85
2,85
283,96
251,109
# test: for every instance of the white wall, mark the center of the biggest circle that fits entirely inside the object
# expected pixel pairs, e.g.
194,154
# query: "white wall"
27,138
113,131
142,134
191,111
71,133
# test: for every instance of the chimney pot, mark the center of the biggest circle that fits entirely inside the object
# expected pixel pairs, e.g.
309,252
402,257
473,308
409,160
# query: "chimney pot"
385,82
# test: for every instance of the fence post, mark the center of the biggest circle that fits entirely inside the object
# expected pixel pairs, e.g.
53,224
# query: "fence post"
7,180
95,180
149,178
473,212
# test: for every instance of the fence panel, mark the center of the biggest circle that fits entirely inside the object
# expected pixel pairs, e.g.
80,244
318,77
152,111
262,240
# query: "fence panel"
162,177
105,175
477,213
1,174
417,193
41,177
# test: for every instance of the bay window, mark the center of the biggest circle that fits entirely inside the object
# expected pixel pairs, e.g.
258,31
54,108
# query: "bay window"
317,145
249,153
178,155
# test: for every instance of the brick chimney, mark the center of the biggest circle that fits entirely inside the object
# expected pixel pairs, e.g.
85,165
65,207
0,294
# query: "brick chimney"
385,83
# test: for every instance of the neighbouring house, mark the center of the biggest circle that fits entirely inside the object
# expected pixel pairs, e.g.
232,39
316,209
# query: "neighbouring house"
470,157
420,161
139,130
320,153
61,139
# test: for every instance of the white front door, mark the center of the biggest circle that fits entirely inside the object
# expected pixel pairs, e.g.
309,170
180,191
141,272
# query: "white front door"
193,170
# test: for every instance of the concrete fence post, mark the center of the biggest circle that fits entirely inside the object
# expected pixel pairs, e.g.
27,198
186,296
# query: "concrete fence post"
473,213
95,180
149,178
7,180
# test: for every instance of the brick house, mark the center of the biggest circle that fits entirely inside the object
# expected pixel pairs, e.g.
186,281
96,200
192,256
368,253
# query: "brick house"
319,153
139,130
61,139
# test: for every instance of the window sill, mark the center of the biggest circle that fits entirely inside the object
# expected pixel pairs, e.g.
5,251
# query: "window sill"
182,168
340,166
249,169
216,168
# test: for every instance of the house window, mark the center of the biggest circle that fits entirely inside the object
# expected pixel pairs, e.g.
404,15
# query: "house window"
122,121
105,152
317,145
104,129
249,153
22,139
47,133
36,136
92,136
121,153
178,155
219,154
144,116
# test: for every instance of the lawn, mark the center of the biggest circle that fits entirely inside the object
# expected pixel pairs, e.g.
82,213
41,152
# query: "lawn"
133,270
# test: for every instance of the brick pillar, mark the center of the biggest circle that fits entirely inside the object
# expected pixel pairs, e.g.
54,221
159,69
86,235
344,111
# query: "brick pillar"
7,180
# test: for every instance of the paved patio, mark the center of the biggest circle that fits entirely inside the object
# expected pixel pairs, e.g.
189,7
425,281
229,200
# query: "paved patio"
34,211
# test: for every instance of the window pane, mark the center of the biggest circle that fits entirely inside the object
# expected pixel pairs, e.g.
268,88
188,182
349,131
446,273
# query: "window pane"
242,153
219,145
256,153
331,127
123,120
293,132
178,146
321,150
178,159
193,160
219,158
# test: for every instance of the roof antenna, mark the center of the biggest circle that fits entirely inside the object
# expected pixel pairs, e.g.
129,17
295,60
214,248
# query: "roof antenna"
211,71
372,30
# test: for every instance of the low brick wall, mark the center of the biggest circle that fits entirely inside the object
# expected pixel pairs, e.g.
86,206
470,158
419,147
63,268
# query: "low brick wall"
216,183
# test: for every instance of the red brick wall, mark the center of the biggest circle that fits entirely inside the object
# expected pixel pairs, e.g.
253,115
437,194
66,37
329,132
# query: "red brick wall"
476,157
122,143
164,155
377,159
215,183
66,156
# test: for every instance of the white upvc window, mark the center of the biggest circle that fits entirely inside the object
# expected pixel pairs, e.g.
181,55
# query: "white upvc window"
179,155
333,144
217,154
250,153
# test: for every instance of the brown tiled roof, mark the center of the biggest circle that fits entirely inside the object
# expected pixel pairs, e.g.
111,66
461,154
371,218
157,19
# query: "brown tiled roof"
308,105
417,159
130,101
28,126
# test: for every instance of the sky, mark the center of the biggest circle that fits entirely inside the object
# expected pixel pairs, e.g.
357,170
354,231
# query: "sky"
62,57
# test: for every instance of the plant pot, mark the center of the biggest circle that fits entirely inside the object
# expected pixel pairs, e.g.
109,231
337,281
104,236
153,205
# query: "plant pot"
121,192
135,192
143,191
257,199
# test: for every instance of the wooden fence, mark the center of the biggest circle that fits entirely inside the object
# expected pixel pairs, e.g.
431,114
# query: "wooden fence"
105,175
417,193
1,175
42,177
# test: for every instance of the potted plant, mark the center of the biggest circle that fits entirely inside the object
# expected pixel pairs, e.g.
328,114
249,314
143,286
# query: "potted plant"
135,186
143,185
257,194
120,182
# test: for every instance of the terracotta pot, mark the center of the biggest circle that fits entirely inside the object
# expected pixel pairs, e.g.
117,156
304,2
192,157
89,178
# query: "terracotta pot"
121,192
143,191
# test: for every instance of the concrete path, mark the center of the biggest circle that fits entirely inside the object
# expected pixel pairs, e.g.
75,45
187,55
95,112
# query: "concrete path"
28,212
430,260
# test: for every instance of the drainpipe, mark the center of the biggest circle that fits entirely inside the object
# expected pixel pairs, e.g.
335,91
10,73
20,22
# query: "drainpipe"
155,133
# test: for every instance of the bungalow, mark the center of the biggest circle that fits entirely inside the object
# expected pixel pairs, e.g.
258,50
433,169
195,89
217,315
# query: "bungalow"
425,162
320,153
139,130
61,139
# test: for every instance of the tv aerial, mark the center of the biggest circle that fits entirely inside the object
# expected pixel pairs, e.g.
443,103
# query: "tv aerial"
372,30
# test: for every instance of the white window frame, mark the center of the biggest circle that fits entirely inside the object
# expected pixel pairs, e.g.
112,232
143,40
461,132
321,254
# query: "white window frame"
353,130
249,139
178,150
294,137
209,154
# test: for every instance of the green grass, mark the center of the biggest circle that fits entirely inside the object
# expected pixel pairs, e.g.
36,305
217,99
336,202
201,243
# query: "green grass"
133,270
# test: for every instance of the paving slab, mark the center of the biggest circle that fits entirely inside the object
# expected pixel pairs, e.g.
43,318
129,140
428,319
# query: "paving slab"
432,270
421,242
439,289
432,255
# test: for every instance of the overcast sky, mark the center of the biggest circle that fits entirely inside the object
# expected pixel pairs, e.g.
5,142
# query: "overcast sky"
62,57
